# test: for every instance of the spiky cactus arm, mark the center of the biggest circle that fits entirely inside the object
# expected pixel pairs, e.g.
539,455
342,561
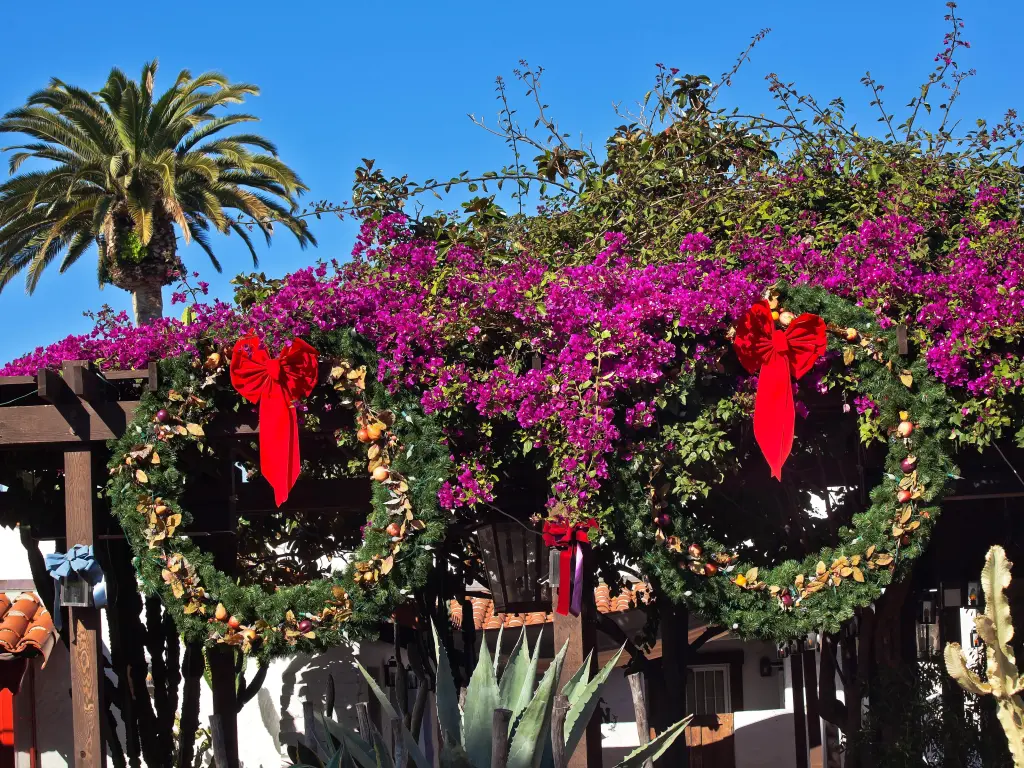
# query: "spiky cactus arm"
995,628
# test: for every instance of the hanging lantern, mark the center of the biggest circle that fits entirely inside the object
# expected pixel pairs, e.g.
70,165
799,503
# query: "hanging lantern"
517,566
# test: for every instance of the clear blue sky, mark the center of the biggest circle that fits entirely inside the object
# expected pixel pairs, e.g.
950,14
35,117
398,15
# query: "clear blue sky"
394,81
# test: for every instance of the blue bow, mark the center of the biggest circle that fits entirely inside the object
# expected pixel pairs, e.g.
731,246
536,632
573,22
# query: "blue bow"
79,559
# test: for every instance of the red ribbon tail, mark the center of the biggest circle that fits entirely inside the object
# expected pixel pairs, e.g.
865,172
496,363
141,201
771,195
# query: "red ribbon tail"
565,579
279,444
774,413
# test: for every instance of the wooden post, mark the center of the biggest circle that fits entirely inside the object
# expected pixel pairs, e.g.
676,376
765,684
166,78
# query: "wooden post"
558,713
83,623
580,635
643,730
220,750
499,738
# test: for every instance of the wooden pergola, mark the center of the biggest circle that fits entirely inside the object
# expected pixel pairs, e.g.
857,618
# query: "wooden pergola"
63,421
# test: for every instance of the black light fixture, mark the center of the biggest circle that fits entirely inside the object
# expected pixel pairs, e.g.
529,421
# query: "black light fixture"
768,666
516,562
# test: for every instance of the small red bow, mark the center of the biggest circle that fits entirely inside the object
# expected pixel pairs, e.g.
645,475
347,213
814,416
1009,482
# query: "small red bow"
570,539
775,356
275,383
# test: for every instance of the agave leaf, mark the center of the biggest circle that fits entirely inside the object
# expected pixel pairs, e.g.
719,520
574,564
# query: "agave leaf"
532,731
381,750
478,712
573,688
301,755
411,747
656,747
526,691
497,648
586,701
445,695
352,743
454,756
514,677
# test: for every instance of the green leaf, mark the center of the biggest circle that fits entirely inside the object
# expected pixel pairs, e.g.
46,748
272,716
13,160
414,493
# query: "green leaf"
353,744
478,712
580,675
411,747
516,677
446,696
532,732
586,701
656,747
526,691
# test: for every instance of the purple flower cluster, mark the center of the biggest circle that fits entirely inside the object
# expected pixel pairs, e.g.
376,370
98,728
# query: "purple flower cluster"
563,353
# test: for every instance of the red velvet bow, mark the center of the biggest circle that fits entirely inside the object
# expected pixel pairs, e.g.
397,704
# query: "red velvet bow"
775,356
570,539
275,383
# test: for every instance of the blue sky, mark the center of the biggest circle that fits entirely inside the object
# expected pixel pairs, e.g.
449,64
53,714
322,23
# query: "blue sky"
395,81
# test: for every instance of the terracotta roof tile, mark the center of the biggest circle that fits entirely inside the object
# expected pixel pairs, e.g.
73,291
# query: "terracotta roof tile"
26,627
484,616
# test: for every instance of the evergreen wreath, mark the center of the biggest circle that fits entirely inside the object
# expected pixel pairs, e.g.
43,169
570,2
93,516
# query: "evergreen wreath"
407,460
907,409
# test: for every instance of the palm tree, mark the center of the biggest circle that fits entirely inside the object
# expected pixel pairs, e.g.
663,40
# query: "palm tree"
122,169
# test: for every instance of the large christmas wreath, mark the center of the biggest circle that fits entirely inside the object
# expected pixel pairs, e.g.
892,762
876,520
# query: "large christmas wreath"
388,439
684,551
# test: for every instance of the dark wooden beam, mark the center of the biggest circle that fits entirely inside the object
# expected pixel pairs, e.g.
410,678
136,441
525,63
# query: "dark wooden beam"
36,425
148,374
52,388
83,380
85,625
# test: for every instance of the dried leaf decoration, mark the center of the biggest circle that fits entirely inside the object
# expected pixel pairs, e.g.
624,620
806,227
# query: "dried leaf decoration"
858,575
848,356
907,378
195,430
141,476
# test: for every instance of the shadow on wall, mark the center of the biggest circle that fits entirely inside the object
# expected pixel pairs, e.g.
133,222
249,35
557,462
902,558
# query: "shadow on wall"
278,708
764,738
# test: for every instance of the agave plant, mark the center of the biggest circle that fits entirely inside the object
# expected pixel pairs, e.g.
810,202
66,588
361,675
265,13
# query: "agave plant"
467,730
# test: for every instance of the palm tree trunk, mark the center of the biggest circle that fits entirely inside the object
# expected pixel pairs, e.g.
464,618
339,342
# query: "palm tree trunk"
147,303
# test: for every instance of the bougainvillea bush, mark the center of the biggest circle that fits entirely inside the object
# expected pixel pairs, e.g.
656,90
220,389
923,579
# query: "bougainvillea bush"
585,350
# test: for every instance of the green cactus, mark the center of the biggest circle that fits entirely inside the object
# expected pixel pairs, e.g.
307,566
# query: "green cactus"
467,730
995,628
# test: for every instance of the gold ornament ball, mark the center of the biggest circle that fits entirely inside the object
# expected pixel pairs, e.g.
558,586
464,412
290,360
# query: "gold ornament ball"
905,429
851,334
380,474
785,318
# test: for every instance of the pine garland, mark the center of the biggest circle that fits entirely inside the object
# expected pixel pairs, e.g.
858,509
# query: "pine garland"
821,591
208,605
